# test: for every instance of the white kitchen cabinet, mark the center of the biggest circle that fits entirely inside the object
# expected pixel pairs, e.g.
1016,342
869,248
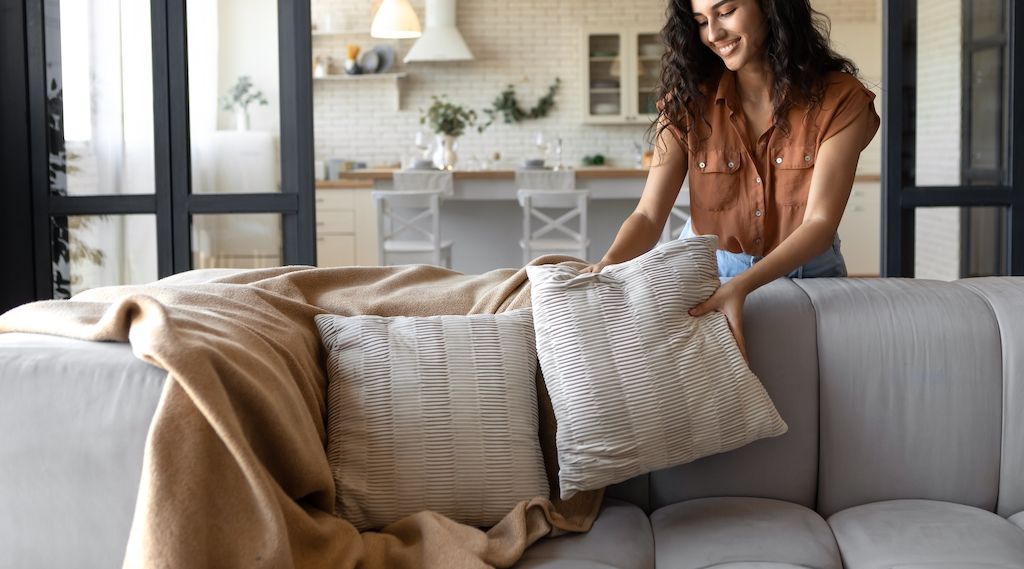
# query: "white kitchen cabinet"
346,228
621,71
860,230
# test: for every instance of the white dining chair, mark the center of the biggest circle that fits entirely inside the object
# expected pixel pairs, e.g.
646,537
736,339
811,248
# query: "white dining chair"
409,219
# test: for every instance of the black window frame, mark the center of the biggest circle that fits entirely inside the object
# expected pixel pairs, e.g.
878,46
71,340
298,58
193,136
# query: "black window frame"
172,202
901,195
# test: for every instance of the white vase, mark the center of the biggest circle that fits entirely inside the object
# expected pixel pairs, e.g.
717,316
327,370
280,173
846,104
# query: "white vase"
241,119
444,152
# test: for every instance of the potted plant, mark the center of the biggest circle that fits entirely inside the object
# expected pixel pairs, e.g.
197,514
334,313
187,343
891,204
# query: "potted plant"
239,98
448,121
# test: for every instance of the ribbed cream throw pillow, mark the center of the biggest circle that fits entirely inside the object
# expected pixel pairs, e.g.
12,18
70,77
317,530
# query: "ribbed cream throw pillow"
636,383
432,413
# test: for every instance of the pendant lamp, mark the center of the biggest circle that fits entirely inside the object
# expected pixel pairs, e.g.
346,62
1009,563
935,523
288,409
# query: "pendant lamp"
396,19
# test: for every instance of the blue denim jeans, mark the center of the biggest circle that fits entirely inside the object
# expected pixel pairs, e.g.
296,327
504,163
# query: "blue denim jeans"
828,264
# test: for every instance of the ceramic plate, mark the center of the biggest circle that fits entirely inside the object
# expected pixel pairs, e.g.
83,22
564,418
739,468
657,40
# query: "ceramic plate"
386,53
369,61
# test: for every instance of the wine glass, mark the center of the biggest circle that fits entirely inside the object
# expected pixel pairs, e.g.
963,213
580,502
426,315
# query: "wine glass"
542,144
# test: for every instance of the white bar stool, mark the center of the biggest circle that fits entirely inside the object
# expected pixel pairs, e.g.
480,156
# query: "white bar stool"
549,197
409,218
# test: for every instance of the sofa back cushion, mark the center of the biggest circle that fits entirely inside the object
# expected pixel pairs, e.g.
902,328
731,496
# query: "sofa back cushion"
911,391
779,327
1006,297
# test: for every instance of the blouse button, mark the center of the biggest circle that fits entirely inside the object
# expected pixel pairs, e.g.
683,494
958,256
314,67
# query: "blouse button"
757,213
758,179
778,160
732,165
701,165
807,158
757,241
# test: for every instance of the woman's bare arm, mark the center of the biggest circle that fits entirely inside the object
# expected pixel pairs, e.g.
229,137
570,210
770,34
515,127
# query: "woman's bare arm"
641,230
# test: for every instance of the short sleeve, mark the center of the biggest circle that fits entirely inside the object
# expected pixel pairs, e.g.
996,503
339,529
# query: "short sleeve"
847,100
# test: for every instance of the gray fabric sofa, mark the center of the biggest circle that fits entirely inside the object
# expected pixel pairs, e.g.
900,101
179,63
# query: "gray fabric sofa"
904,398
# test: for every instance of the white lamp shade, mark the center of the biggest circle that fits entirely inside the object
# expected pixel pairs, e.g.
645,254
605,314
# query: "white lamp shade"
396,19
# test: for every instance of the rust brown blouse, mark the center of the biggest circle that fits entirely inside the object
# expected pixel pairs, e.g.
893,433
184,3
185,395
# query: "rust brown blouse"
753,194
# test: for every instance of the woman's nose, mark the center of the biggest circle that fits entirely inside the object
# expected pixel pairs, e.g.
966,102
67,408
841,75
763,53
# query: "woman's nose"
715,32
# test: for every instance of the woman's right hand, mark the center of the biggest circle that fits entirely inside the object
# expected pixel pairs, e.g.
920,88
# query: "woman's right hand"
596,267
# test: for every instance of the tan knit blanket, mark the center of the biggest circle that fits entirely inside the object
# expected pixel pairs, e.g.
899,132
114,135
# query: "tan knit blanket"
235,473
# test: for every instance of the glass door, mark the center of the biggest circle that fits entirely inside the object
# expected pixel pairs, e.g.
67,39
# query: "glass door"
167,135
606,73
952,207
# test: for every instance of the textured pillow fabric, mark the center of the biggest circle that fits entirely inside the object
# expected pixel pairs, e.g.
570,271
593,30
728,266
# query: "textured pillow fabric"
432,413
636,383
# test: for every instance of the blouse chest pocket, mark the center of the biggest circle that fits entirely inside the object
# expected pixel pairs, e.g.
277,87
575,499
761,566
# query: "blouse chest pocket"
716,181
793,166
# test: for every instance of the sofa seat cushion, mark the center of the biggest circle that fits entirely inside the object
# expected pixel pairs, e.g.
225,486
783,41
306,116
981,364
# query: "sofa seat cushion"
620,539
744,533
915,534
1018,519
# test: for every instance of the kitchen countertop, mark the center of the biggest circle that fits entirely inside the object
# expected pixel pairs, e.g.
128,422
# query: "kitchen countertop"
366,178
363,176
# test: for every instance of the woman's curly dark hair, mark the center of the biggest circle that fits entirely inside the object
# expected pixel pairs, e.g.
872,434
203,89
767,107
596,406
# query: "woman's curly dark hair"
796,46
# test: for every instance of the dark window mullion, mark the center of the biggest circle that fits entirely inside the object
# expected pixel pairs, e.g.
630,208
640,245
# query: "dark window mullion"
103,205
180,159
1015,233
897,223
287,204
38,130
162,140
296,92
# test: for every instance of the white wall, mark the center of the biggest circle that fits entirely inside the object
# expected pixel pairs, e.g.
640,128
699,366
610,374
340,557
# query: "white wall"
247,45
938,135
523,42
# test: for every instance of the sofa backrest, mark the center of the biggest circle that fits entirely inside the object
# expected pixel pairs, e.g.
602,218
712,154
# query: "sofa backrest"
910,378
1005,295
892,388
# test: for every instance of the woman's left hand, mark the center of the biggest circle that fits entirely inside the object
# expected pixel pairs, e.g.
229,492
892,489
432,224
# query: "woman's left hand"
728,299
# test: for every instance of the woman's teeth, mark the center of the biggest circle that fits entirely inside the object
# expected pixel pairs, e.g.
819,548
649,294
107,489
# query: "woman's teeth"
727,49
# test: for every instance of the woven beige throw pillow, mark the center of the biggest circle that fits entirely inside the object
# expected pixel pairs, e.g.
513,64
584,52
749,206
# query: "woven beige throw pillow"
636,383
432,413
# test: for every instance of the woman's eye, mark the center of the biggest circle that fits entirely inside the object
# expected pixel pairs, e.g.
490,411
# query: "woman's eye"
729,13
702,24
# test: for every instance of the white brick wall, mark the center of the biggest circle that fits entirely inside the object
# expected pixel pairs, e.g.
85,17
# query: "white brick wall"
938,136
524,42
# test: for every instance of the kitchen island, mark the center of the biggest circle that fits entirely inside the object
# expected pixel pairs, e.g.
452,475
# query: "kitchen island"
484,220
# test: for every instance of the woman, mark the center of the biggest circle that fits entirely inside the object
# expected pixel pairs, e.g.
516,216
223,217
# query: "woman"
770,123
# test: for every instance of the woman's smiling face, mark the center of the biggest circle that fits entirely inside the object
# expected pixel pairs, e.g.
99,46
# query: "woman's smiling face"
735,30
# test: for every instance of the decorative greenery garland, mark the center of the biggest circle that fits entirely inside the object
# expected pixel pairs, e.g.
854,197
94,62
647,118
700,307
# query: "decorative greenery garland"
508,107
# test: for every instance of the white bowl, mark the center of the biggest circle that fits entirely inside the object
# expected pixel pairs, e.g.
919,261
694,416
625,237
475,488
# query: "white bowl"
606,109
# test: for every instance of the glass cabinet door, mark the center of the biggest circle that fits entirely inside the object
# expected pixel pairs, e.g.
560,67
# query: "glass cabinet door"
605,74
649,50
622,72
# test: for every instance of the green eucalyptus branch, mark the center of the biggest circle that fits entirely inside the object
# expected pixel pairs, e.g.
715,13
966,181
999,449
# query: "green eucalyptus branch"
445,117
507,106
242,94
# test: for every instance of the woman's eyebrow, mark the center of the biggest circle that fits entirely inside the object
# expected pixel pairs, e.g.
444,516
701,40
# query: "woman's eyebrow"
715,6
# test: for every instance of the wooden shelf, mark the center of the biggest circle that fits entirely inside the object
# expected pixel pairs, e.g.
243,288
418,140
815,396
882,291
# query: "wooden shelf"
320,34
360,77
